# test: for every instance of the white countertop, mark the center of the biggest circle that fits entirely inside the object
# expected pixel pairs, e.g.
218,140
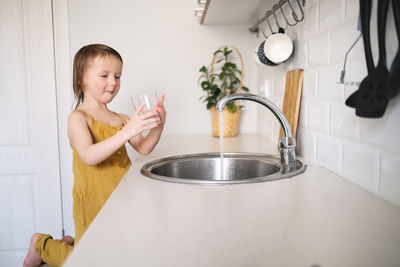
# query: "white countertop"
314,219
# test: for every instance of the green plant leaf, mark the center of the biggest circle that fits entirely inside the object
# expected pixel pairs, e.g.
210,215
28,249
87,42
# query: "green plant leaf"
244,88
211,99
218,51
210,105
230,65
214,87
226,51
231,107
203,69
216,92
205,84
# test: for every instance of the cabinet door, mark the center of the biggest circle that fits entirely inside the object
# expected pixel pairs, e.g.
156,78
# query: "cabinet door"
30,199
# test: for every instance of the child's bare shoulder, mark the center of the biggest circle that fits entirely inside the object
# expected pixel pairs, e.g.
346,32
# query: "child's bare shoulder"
77,117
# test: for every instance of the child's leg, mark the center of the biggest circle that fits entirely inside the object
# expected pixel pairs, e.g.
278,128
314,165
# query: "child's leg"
51,251
32,259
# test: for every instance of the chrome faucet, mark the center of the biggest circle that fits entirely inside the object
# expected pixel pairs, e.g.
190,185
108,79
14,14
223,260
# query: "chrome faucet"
287,144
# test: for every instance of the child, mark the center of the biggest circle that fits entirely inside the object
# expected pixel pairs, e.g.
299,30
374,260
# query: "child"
97,136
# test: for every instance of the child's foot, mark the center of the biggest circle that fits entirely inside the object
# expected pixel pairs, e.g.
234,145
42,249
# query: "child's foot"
68,239
32,259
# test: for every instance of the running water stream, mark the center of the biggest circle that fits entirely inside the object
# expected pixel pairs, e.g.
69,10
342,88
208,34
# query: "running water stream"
221,143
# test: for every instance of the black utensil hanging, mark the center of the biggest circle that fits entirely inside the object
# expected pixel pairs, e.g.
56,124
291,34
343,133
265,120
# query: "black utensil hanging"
365,14
393,81
371,101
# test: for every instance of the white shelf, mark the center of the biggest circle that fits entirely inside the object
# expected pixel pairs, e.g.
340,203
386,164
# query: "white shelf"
233,12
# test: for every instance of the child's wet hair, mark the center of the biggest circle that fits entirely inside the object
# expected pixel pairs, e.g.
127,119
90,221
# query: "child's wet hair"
81,61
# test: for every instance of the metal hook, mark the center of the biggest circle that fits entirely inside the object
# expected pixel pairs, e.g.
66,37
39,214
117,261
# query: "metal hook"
294,13
276,22
264,34
274,8
266,37
301,10
269,25
283,14
343,72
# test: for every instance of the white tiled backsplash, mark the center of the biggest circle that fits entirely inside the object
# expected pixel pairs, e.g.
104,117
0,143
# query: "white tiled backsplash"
365,151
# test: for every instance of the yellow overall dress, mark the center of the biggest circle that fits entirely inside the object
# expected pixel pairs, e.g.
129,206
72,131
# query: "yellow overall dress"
92,187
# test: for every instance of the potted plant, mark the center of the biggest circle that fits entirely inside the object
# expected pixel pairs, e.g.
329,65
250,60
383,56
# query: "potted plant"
228,80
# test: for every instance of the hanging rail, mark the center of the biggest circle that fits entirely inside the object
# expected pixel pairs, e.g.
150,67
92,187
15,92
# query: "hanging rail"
275,8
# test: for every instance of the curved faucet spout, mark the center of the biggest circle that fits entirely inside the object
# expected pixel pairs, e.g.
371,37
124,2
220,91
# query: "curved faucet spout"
287,132
288,143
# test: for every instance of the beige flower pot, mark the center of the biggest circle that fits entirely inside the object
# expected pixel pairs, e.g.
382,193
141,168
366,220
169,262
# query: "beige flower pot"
231,122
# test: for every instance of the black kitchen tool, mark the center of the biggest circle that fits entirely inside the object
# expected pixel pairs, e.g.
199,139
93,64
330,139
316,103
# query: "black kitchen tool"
393,80
365,14
371,101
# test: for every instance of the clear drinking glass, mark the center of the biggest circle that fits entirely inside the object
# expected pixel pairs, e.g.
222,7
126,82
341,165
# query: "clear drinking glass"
150,100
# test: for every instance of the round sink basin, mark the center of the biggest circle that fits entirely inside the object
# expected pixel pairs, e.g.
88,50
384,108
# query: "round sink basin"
206,168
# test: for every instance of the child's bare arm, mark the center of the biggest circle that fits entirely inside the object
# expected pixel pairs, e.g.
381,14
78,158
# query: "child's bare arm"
144,145
80,137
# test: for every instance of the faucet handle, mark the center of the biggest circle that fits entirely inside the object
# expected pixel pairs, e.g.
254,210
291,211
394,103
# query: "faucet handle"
287,146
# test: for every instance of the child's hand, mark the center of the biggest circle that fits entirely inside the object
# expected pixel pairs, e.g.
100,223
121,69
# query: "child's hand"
162,113
141,122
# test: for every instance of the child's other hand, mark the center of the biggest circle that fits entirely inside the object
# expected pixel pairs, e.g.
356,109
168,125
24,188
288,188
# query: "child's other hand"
161,110
141,122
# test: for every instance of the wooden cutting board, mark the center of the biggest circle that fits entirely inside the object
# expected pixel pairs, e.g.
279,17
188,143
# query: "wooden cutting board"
292,99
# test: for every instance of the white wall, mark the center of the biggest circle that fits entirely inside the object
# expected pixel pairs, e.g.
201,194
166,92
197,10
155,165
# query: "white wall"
163,47
365,151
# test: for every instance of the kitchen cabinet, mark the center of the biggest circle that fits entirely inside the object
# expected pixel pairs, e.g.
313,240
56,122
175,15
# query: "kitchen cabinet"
235,12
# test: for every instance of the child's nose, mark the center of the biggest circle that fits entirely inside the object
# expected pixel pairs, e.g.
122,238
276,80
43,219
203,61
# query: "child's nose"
112,81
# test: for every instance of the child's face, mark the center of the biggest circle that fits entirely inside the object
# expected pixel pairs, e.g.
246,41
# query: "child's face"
101,80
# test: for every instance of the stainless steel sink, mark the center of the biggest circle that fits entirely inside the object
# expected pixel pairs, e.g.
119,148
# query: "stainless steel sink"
206,168
237,167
